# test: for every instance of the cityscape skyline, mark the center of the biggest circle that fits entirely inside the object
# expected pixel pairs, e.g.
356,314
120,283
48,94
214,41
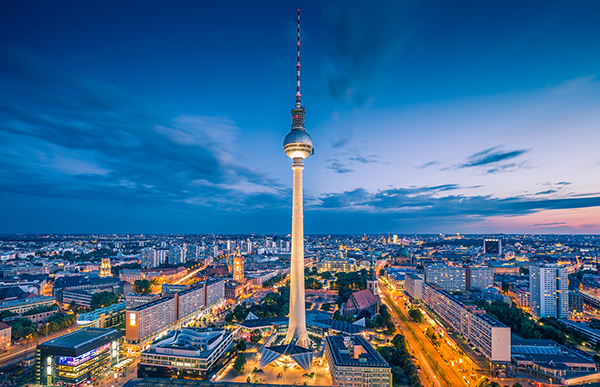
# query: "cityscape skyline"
159,119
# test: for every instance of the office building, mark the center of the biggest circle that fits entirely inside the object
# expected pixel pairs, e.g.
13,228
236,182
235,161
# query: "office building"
188,353
133,300
450,278
148,320
479,277
77,357
172,289
353,362
488,335
548,289
413,284
103,318
131,275
492,246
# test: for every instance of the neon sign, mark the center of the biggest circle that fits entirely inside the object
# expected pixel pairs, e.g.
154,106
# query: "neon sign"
75,361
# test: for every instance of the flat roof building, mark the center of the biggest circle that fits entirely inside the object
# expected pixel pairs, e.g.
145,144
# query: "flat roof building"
147,320
77,357
353,362
189,353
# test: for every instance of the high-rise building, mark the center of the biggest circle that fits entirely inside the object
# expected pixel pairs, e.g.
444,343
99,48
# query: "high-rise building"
492,246
479,277
548,289
177,254
450,278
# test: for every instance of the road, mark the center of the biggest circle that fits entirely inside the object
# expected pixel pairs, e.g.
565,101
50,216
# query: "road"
19,352
190,275
439,373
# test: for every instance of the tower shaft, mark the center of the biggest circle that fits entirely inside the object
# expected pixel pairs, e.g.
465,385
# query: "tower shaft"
297,325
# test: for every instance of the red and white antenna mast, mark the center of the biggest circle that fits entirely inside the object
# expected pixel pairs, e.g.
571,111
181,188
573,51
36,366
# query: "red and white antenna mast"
298,66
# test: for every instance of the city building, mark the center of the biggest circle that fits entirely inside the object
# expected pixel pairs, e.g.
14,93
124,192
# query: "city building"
492,246
450,278
479,277
151,257
77,296
488,335
172,289
105,268
5,338
77,357
214,292
238,267
188,353
575,302
552,360
413,284
520,296
363,300
23,305
548,289
190,301
131,275
103,318
337,264
147,320
177,254
133,300
353,362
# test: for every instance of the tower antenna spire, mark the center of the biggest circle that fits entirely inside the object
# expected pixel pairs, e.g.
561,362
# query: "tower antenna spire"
298,66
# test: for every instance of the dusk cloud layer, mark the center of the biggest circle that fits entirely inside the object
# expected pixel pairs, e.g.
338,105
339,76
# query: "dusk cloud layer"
431,119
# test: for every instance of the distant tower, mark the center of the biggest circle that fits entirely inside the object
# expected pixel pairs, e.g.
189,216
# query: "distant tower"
238,267
297,145
372,280
105,268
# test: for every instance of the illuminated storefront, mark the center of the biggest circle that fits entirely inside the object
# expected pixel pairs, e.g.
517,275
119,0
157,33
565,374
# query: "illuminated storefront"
77,357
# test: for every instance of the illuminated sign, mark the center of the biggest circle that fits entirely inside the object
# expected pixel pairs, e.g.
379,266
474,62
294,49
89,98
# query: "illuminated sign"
75,361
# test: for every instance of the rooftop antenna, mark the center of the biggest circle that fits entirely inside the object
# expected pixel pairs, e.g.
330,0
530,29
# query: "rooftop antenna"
298,66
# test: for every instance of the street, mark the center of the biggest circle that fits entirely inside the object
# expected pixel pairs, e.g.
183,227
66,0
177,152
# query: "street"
434,368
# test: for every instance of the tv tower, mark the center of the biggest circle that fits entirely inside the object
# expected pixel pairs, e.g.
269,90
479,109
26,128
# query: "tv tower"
297,145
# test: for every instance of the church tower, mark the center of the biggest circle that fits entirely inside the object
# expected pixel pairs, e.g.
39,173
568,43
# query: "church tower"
238,267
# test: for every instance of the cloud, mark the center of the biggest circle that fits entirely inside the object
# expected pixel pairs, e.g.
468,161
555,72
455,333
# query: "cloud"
429,202
427,165
365,160
343,138
549,224
77,137
550,191
339,167
492,156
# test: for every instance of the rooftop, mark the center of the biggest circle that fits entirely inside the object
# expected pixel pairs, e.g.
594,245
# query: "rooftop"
340,349
80,338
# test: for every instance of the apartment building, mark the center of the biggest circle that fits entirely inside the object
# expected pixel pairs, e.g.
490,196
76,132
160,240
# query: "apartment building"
479,277
488,335
147,320
549,292
451,279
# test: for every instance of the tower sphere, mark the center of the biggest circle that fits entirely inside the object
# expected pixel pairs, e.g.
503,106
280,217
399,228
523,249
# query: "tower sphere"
298,144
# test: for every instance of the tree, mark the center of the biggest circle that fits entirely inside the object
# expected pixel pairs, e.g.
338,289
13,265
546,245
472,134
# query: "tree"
416,315
240,363
103,299
517,385
241,345
142,287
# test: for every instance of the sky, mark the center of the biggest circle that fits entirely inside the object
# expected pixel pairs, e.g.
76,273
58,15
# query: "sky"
426,117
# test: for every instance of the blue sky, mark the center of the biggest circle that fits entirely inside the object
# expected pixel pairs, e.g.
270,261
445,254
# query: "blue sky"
426,117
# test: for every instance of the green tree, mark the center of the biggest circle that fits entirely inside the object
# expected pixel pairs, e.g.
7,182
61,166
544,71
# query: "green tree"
142,286
517,385
241,345
416,315
103,299
240,363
